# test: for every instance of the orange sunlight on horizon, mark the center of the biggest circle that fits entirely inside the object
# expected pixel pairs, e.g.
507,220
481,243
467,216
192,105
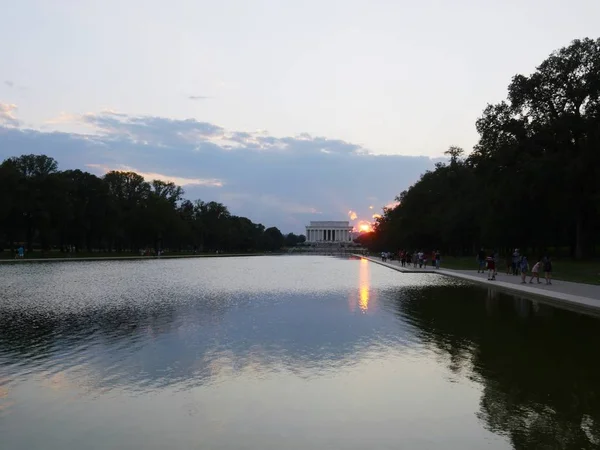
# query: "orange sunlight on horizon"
365,228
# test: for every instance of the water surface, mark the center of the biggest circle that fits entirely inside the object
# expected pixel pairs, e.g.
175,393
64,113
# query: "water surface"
297,352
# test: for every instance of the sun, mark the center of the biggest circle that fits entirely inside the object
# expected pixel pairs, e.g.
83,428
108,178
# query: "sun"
365,228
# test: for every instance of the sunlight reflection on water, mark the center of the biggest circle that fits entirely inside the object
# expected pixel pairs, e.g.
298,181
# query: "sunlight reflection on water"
262,352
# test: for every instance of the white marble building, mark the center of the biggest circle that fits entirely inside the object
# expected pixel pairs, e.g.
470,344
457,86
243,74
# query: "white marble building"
329,232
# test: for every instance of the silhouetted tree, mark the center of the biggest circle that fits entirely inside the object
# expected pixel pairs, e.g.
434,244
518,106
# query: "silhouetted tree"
47,208
530,181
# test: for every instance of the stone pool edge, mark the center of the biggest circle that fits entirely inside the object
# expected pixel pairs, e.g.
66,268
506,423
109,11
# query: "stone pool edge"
569,301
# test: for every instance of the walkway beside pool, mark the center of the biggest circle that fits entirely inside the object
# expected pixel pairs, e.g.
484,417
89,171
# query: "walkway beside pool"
576,295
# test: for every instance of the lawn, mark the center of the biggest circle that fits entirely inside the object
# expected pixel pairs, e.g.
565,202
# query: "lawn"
563,269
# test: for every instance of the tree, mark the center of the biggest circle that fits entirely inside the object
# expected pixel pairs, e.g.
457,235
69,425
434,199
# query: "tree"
35,177
34,166
273,239
10,212
530,181
455,153
167,191
561,102
120,211
292,240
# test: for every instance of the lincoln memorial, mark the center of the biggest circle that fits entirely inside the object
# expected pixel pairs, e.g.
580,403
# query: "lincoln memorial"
331,231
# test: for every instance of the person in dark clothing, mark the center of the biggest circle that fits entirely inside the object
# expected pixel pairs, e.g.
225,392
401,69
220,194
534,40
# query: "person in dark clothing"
548,269
481,261
516,258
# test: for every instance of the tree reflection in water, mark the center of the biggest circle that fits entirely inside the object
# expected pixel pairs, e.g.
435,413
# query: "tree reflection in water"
537,364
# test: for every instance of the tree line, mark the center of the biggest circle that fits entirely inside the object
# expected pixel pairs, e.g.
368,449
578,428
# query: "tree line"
44,208
530,182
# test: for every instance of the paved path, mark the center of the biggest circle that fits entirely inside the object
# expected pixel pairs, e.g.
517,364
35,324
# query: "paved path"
578,295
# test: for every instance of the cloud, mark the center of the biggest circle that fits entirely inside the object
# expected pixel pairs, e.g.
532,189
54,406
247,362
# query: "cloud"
198,97
7,115
284,181
151,130
9,83
149,176
269,201
64,118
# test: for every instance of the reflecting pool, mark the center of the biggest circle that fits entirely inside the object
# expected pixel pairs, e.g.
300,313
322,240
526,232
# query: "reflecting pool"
286,352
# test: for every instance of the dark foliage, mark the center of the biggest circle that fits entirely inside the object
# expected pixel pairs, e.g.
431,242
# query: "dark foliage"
46,208
532,179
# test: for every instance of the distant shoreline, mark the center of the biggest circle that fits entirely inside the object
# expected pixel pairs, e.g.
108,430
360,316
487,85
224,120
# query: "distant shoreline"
131,258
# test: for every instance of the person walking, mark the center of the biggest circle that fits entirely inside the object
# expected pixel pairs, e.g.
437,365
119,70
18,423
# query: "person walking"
491,267
523,268
548,269
496,257
516,258
535,272
481,261
438,259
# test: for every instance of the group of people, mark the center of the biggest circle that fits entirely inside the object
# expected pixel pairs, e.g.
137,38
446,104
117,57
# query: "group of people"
420,258
385,256
516,264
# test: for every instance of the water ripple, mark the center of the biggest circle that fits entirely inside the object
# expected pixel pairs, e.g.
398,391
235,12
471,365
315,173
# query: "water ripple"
261,334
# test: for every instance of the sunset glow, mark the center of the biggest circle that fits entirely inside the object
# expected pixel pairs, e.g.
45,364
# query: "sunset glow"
365,228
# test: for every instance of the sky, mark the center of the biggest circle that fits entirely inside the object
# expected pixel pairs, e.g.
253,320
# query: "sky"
285,111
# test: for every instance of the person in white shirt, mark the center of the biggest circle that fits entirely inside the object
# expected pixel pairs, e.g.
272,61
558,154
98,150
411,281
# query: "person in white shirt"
535,272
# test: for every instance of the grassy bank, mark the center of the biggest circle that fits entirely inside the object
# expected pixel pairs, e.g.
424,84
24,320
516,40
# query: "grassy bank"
563,269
